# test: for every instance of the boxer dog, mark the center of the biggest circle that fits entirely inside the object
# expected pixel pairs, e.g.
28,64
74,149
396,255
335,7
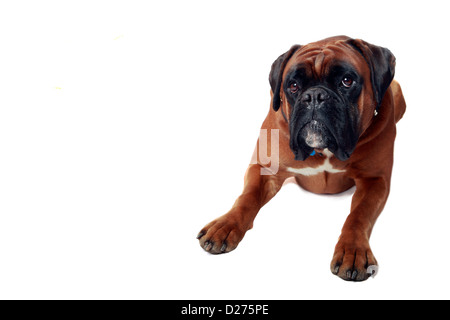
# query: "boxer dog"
334,105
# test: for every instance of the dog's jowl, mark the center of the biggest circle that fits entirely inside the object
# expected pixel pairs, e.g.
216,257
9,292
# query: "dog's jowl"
334,107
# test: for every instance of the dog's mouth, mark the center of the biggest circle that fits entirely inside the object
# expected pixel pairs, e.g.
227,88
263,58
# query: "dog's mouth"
315,134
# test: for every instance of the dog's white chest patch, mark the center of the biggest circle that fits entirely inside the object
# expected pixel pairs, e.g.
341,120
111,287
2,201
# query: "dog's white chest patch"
326,166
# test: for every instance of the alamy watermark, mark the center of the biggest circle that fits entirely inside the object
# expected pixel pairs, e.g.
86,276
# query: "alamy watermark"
262,152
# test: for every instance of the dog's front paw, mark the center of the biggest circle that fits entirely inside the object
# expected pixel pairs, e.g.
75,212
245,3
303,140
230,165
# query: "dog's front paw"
354,261
221,235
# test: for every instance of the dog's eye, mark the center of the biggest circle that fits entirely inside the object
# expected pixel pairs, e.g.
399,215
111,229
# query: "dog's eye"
347,82
293,88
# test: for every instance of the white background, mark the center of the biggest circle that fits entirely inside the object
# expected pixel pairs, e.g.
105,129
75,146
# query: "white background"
126,126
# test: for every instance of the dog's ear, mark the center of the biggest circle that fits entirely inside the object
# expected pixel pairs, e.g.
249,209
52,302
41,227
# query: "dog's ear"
276,75
381,62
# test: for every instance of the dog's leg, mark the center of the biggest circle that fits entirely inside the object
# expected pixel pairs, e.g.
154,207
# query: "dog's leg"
353,255
224,234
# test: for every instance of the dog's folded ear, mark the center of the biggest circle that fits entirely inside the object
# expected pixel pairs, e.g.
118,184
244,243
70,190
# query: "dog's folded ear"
276,75
381,62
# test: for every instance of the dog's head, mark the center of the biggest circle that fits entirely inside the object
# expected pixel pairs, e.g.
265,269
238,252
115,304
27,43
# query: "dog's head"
331,90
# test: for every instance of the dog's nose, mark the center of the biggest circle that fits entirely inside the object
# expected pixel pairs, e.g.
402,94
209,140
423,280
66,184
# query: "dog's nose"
315,97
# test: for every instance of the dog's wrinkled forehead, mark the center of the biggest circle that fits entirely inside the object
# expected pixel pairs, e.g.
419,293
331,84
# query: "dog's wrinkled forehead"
320,56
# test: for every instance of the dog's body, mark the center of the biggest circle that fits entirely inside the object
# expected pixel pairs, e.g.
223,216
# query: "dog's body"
336,106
